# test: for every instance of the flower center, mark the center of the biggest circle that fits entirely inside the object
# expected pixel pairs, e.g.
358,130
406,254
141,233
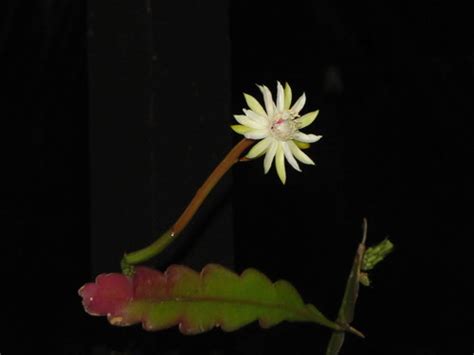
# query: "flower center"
283,129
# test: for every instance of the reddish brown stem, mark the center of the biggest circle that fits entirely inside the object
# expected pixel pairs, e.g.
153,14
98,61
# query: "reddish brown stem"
166,238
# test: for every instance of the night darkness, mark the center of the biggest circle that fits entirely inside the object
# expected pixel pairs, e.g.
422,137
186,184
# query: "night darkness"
119,111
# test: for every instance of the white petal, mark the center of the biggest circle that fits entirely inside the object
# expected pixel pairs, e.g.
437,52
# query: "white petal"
299,104
259,148
257,134
255,117
280,164
302,145
287,96
267,162
306,119
289,156
267,98
280,97
238,128
244,120
302,157
306,138
254,105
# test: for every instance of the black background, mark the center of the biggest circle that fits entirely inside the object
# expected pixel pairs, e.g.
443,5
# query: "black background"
394,85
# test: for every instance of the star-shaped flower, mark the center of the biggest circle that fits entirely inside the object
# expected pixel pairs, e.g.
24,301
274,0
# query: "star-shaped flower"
278,127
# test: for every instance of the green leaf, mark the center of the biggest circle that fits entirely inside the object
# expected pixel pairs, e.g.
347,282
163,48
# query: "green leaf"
197,302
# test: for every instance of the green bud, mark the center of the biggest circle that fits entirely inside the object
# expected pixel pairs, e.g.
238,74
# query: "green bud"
376,254
364,279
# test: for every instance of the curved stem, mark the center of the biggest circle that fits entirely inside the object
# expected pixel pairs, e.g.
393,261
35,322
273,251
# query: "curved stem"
166,238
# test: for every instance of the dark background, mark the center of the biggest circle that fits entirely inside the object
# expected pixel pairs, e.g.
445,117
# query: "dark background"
118,111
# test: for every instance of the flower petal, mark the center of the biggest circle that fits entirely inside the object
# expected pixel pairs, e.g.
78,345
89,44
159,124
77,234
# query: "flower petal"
280,164
259,148
299,104
289,156
244,120
287,96
238,128
302,145
267,98
267,162
302,157
256,117
254,105
280,97
256,134
306,119
306,138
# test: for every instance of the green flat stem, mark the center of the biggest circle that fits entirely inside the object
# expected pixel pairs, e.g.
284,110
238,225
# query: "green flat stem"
346,310
170,235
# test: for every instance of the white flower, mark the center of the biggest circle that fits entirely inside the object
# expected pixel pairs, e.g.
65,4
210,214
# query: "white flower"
278,127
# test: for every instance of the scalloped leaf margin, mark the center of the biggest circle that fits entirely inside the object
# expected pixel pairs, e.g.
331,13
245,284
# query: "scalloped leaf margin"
196,302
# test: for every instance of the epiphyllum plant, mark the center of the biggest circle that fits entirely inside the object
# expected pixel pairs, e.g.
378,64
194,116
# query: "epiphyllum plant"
216,296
